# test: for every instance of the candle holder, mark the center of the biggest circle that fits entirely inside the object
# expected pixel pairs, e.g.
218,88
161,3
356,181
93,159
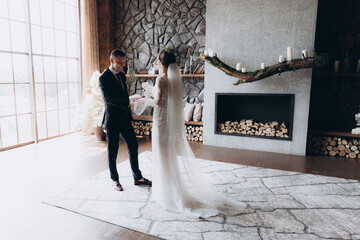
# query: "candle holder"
345,65
238,67
281,59
305,54
336,66
289,53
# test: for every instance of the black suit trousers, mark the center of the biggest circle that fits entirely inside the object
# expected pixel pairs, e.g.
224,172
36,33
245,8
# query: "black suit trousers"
125,129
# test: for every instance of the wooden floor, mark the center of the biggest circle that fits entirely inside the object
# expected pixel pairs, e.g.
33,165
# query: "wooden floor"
35,172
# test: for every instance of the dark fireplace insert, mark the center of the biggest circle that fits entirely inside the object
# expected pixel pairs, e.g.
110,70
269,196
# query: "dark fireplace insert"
254,115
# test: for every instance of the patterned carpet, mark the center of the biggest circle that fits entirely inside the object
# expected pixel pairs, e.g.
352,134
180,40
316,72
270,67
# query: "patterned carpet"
284,205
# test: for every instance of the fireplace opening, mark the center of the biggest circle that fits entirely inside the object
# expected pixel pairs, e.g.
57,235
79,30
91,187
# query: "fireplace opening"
255,115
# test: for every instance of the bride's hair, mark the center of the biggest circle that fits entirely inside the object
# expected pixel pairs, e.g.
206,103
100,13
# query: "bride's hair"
166,58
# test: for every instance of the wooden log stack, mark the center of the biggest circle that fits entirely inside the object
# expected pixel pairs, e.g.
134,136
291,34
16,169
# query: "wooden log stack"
194,133
142,128
334,146
252,127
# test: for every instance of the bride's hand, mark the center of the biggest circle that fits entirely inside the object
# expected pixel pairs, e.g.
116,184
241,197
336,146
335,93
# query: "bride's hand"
139,100
133,102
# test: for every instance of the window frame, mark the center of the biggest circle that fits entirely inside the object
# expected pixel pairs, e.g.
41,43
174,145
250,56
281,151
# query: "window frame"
67,108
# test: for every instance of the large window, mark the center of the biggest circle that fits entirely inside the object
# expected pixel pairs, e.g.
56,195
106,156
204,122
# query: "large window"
39,70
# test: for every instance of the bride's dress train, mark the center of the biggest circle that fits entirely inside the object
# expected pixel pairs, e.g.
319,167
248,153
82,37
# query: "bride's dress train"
178,184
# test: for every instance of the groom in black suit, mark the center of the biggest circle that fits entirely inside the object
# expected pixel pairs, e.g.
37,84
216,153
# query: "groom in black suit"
117,118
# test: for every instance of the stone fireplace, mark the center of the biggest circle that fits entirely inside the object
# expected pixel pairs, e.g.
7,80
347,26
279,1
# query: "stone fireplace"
251,33
268,116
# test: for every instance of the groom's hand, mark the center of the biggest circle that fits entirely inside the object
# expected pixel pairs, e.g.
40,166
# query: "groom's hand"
131,103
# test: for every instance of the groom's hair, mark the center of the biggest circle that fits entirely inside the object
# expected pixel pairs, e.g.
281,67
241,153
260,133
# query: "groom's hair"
116,53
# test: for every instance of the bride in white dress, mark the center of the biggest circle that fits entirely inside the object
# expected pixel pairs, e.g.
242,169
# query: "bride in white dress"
177,183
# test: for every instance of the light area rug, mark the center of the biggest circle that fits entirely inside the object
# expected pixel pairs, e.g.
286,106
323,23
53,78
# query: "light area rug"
284,205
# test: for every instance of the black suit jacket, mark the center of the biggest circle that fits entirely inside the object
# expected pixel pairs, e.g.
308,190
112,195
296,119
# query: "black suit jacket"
116,99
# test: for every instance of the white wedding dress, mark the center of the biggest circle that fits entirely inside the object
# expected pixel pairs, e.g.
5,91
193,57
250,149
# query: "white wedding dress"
178,184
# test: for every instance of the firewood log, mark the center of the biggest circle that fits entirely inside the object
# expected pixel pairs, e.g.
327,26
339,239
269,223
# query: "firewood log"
353,148
341,147
352,155
342,153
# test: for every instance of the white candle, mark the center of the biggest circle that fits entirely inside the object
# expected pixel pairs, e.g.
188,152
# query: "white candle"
211,53
205,52
336,66
243,70
262,65
289,53
238,66
305,53
281,58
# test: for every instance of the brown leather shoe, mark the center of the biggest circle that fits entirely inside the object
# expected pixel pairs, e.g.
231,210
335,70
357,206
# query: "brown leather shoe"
143,181
117,186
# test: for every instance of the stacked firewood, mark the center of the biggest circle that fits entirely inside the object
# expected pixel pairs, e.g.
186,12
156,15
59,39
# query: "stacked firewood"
194,133
334,146
252,127
142,128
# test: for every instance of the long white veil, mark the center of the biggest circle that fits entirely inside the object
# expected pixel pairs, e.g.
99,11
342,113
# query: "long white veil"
198,196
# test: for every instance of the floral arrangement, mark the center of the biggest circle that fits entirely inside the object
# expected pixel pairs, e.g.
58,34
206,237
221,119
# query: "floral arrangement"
148,90
142,104
92,109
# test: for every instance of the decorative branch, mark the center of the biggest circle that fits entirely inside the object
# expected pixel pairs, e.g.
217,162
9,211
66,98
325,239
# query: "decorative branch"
293,65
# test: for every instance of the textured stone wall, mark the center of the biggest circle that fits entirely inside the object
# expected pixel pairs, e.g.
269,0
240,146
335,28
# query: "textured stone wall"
144,26
252,32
